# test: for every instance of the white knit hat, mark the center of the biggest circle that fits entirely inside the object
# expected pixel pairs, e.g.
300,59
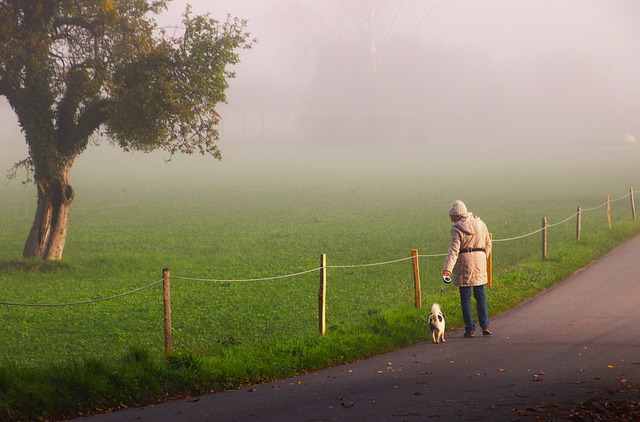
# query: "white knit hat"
457,208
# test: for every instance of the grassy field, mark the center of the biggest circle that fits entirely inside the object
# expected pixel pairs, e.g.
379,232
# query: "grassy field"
264,213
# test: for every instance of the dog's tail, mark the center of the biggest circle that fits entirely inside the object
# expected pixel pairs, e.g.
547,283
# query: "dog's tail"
435,309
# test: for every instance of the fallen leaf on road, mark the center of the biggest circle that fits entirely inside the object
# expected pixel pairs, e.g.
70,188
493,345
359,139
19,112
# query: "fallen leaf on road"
540,407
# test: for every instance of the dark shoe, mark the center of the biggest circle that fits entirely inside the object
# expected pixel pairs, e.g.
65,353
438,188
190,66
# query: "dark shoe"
486,332
469,334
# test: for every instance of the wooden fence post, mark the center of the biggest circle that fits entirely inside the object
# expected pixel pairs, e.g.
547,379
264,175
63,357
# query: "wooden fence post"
633,204
490,263
544,238
608,211
579,224
416,279
166,298
322,296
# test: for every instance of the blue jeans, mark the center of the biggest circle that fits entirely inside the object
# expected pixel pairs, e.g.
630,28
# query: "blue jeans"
481,307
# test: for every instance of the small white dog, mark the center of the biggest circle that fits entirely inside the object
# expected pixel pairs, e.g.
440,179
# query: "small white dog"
436,324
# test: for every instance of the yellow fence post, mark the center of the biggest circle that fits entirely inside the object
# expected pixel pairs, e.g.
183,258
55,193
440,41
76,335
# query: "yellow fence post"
490,263
609,211
633,204
416,279
322,296
166,298
579,224
544,238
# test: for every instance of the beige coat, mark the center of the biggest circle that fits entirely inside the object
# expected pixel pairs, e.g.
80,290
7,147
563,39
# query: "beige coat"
468,268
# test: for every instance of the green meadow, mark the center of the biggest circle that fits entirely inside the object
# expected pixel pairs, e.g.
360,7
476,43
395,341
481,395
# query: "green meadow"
228,231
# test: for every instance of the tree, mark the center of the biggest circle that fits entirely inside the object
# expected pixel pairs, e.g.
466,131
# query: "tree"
76,71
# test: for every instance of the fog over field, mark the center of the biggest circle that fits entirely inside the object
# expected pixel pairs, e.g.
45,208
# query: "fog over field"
416,73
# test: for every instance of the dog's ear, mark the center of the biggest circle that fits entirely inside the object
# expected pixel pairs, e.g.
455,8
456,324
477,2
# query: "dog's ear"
444,315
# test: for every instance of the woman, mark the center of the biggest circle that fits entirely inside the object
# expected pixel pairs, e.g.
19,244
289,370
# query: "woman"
467,260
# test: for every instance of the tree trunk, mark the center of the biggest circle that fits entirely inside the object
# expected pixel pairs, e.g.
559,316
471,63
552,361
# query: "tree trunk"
49,231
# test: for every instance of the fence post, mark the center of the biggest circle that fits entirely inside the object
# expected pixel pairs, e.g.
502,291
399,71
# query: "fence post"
579,224
416,279
608,211
544,238
166,298
490,263
633,204
322,296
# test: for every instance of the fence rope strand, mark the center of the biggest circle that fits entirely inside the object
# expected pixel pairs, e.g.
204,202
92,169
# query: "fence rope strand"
84,302
278,277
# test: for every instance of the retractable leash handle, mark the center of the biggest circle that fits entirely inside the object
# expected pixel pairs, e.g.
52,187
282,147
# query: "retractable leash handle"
446,279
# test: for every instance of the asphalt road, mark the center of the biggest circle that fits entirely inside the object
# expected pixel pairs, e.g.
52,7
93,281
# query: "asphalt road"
575,342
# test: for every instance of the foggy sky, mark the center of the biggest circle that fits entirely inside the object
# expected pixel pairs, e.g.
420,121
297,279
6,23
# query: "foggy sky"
480,72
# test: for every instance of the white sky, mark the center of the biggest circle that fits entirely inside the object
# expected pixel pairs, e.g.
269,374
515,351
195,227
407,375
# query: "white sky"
570,66
511,71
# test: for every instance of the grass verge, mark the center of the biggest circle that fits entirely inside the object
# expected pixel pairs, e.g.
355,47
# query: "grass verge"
141,376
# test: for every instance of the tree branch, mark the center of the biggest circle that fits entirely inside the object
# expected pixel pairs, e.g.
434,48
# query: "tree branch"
27,165
91,118
61,22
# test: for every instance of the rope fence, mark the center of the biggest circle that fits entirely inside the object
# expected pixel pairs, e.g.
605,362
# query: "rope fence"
166,277
84,302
